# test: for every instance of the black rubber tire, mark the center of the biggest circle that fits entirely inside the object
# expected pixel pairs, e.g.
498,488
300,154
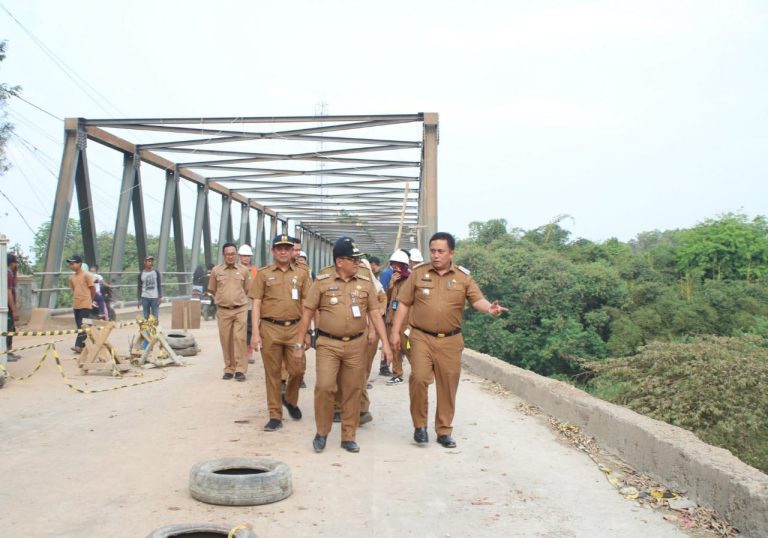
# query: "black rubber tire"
270,483
180,340
190,351
192,530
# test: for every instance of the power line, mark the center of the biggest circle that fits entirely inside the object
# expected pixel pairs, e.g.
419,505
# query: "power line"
37,107
68,71
17,211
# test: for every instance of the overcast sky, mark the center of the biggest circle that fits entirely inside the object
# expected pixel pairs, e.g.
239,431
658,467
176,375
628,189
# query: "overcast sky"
626,116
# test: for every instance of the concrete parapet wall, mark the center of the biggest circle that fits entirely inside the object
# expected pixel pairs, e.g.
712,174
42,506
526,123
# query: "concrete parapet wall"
709,475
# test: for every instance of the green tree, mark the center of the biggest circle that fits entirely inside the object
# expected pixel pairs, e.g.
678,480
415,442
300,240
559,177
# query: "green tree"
6,128
729,248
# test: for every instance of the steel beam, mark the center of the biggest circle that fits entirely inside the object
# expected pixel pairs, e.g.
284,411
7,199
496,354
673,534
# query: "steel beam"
54,253
197,227
165,220
260,244
225,225
85,203
428,197
178,240
244,225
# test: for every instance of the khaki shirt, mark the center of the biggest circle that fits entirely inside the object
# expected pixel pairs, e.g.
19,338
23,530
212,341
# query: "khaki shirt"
437,302
81,285
275,289
229,285
394,300
334,300
381,296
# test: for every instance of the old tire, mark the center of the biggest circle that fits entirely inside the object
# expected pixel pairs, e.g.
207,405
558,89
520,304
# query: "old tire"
209,530
179,340
240,481
188,351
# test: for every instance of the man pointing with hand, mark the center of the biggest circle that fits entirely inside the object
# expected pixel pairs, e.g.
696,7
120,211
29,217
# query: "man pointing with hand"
434,295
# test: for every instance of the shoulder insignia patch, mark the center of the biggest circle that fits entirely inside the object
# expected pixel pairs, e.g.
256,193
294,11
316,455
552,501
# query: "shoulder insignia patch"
323,276
422,264
363,277
463,269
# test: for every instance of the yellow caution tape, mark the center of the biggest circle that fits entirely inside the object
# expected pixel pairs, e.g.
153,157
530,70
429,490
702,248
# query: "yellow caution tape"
67,382
14,350
44,333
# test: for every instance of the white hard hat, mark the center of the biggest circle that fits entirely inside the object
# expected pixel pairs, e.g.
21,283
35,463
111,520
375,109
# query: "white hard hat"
399,256
302,254
416,255
245,250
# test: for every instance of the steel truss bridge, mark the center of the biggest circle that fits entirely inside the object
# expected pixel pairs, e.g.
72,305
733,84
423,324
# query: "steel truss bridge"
373,178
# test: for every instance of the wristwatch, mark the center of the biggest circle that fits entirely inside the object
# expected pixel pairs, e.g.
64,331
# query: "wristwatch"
297,346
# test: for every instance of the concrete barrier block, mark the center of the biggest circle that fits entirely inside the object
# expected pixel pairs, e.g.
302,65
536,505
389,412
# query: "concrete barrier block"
709,475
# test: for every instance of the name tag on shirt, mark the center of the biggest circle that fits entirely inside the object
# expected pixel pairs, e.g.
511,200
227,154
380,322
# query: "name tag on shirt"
356,311
294,294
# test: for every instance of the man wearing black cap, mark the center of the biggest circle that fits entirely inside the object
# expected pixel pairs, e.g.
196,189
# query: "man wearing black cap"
344,300
150,289
277,293
83,294
13,312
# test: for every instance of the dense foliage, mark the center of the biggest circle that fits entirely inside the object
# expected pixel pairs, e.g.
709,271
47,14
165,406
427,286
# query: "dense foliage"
572,300
673,324
713,386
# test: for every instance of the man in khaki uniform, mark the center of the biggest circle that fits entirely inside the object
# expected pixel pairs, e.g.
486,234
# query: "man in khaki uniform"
434,294
277,293
344,301
228,284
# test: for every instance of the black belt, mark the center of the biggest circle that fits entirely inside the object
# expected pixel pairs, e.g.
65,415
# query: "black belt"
284,323
229,307
342,338
440,335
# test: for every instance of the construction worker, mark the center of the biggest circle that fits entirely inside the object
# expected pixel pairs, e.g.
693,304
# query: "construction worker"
401,271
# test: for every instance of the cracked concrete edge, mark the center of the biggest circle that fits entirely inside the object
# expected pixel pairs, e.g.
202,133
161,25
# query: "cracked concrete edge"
709,475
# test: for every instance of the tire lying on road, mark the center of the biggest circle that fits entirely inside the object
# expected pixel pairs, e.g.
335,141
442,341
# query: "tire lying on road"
188,351
180,340
208,530
240,481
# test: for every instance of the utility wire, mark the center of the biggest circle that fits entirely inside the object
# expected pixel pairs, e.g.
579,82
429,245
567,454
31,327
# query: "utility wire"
37,107
17,211
68,71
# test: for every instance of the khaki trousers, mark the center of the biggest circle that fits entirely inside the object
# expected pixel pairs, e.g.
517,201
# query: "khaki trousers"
397,358
276,350
370,354
439,360
344,361
231,323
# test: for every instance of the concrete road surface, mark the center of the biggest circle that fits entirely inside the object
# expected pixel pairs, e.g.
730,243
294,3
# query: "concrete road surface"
117,463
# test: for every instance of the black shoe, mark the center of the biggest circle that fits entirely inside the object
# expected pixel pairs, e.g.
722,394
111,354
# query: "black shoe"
228,376
283,384
293,410
447,441
239,376
350,446
337,416
273,425
420,435
365,417
303,385
318,443
369,386
384,370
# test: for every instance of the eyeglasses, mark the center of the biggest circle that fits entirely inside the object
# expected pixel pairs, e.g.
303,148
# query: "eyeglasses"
353,260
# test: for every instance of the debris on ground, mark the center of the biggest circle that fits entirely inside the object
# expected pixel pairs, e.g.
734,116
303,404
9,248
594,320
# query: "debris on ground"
697,521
